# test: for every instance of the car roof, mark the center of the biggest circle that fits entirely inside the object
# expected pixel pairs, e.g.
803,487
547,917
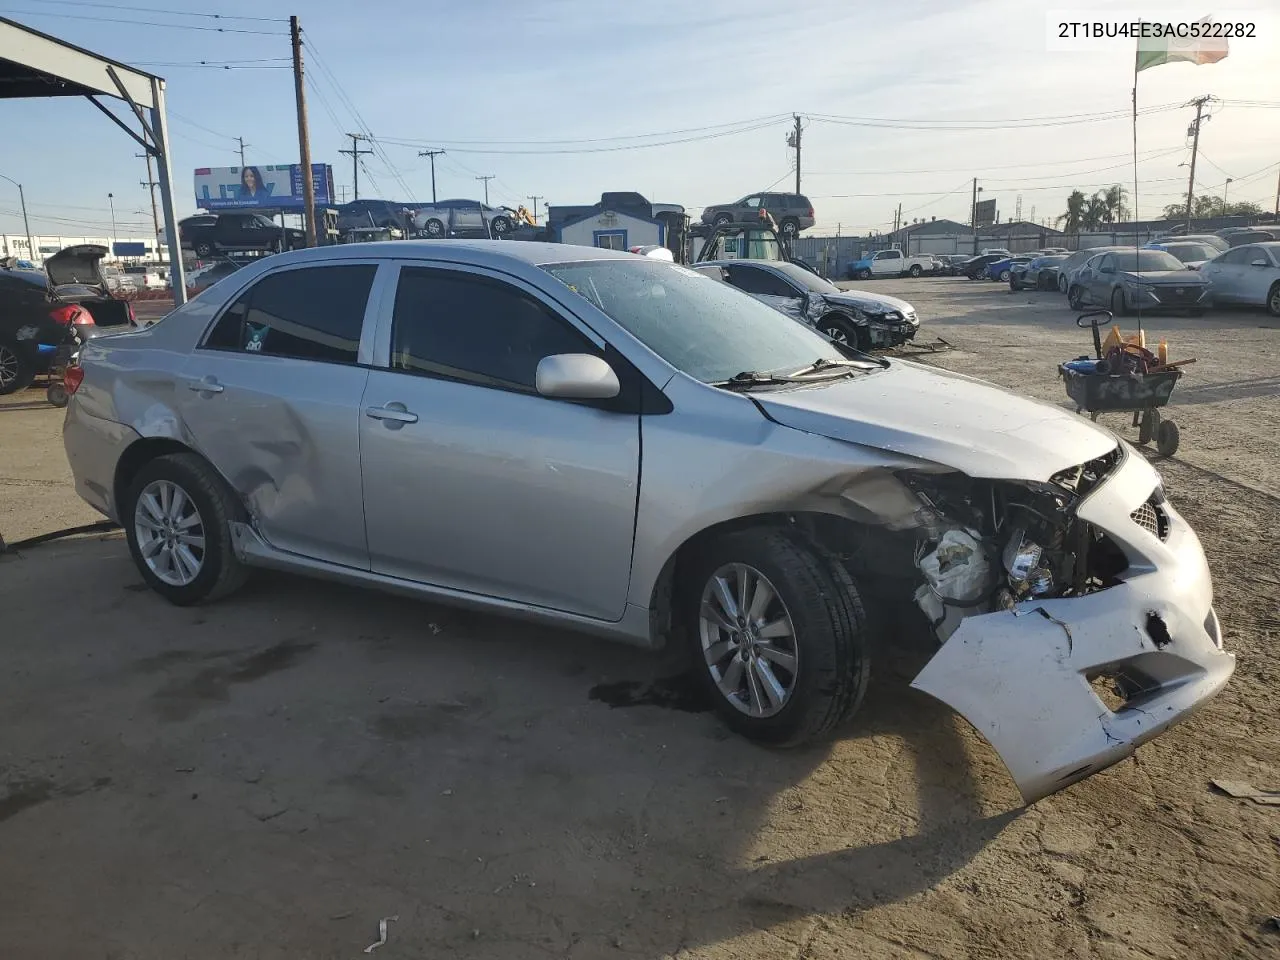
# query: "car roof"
482,252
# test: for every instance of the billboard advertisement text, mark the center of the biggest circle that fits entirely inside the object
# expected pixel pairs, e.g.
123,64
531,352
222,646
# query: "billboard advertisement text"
263,187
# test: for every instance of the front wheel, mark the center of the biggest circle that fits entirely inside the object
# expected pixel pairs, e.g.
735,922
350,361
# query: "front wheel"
1273,300
17,368
789,227
1118,306
1075,297
1062,284
841,331
723,220
204,249
864,274
779,636
177,517
500,226
435,228
1004,276
915,270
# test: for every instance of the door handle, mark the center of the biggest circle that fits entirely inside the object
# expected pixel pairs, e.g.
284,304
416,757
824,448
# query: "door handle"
207,385
393,412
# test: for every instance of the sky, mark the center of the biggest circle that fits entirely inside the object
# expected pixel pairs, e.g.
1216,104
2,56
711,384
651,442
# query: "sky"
568,98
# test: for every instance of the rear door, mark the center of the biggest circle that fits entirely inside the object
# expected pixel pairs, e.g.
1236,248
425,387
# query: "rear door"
767,286
1225,272
1255,281
472,480
272,398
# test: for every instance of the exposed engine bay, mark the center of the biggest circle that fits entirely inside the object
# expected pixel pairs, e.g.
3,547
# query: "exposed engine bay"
990,544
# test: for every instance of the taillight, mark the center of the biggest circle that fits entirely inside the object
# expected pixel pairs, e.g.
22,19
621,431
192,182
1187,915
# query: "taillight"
132,316
65,315
72,377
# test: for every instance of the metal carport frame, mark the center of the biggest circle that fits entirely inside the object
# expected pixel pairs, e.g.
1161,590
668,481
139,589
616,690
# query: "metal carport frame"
34,64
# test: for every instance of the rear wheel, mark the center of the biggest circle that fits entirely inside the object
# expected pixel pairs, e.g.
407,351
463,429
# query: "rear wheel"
177,517
1075,297
723,219
1167,438
1118,307
17,368
1062,284
1004,276
789,227
779,636
435,228
915,270
204,249
500,226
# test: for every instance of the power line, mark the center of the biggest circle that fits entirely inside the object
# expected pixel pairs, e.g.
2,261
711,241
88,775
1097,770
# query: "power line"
175,13
1010,166
200,126
963,125
635,146
623,136
140,23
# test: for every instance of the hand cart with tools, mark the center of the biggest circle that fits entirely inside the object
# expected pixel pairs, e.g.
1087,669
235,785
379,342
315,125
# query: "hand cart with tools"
1125,376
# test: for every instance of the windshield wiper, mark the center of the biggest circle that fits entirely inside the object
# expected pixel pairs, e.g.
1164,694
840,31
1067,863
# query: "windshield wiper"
826,363
751,378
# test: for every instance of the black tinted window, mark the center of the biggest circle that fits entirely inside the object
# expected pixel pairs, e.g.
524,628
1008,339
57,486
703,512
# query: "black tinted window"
470,328
760,282
315,313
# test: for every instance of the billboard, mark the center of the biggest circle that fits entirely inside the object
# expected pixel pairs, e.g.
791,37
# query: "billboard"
262,187
985,213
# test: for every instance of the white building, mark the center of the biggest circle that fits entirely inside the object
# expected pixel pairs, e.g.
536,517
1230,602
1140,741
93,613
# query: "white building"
129,249
611,230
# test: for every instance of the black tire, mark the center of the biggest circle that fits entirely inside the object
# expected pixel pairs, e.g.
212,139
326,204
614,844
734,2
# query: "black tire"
1062,283
434,228
830,634
1004,276
56,394
1149,426
1075,297
221,572
723,219
1273,300
500,226
17,367
1167,438
841,330
1118,306
1014,287
789,227
864,274
204,249
915,270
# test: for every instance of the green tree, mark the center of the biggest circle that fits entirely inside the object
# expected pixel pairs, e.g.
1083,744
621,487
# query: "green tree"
1206,205
1113,199
1095,212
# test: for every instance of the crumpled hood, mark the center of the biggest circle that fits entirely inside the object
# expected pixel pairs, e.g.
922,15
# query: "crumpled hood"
868,302
1165,277
945,417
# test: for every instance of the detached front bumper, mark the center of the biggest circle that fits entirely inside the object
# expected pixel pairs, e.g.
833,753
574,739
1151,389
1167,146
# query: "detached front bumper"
1023,677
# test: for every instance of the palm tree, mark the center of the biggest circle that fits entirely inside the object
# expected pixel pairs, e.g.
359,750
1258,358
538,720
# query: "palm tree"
1095,212
1114,201
1073,219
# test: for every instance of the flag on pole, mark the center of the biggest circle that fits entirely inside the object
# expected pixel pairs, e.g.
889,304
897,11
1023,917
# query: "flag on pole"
1153,51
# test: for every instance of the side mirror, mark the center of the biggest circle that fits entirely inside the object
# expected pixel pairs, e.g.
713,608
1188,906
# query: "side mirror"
576,376
1259,263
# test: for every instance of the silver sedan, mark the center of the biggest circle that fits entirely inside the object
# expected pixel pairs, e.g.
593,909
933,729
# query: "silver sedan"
1247,275
606,442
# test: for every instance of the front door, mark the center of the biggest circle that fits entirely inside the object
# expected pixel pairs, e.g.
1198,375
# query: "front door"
272,400
888,263
475,482
767,286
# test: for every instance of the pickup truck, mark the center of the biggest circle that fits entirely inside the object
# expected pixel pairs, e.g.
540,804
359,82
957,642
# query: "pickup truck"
210,233
889,263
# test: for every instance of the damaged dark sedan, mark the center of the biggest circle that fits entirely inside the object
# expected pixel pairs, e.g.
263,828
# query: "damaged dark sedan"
609,443
853,317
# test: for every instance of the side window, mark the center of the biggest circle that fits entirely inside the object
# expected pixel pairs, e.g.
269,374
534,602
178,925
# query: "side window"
1240,255
760,282
1104,263
315,313
474,329
751,202
612,241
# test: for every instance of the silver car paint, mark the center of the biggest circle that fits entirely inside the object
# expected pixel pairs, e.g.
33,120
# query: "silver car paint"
719,456
1243,282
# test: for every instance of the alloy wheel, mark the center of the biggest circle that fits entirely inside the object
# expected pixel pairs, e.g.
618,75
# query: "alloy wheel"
1273,304
836,334
748,640
8,366
170,533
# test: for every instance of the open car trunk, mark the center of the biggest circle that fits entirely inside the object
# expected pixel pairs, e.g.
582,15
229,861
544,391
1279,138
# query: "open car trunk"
75,277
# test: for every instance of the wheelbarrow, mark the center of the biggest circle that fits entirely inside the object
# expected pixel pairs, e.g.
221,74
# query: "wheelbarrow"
1124,380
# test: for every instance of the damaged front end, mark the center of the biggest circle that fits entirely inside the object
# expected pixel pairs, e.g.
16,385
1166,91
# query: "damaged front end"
1075,616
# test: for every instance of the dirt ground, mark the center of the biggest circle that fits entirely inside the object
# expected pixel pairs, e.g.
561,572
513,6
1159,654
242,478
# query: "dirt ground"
269,776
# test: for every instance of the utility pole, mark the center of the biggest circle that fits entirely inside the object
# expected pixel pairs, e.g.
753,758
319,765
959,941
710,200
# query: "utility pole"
486,178
22,199
1278,195
150,184
242,146
304,135
111,201
535,198
1225,187
973,216
793,141
1195,148
355,153
431,155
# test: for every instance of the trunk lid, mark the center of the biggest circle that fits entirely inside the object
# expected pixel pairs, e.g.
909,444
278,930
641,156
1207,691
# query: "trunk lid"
77,265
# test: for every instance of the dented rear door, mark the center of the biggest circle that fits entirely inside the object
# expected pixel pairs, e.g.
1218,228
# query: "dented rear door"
272,399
